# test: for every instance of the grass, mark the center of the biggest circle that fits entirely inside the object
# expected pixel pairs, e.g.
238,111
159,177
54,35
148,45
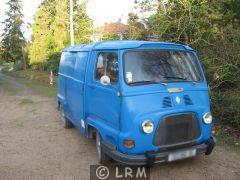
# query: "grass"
37,81
225,108
224,138
49,91
25,101
41,77
8,88
16,123
33,110
19,125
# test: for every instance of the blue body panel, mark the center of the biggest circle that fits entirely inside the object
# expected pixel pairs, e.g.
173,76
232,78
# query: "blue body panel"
118,118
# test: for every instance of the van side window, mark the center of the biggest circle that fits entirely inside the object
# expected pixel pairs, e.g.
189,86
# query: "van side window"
107,64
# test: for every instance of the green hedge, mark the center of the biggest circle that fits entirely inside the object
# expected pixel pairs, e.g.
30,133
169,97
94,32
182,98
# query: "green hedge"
225,107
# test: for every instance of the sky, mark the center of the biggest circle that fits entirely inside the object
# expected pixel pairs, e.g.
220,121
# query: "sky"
100,11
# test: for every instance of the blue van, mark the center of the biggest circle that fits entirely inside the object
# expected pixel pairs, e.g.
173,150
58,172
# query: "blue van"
143,102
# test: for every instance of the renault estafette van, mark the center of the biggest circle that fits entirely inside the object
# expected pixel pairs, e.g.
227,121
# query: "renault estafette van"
144,102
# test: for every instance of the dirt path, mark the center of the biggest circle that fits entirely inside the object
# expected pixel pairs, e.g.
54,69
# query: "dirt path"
33,145
16,85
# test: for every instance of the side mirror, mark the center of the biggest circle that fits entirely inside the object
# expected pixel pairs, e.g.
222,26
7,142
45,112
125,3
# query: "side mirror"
105,80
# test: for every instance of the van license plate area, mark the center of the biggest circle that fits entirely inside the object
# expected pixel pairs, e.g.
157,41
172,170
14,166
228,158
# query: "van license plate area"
181,155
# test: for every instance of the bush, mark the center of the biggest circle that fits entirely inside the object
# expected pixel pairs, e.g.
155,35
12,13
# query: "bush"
53,63
225,107
8,67
222,58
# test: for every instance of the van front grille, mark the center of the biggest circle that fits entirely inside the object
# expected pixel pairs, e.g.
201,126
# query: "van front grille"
167,102
187,100
177,130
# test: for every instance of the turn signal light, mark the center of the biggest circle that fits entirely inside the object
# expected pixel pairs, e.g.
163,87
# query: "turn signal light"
129,143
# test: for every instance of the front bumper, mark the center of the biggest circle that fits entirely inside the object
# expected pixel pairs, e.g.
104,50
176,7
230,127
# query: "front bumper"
151,158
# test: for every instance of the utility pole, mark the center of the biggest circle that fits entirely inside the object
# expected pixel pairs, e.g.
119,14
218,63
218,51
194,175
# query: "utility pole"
71,23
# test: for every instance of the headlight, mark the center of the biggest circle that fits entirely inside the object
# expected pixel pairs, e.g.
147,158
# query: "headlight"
207,118
148,126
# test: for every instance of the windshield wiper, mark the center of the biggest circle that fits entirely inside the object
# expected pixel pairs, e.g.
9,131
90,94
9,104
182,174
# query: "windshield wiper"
174,77
194,82
182,78
143,82
147,82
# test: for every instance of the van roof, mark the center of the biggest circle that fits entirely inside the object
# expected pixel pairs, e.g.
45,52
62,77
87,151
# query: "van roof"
124,44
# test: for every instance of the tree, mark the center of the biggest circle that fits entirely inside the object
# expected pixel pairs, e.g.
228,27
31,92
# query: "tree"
110,36
13,40
136,30
189,22
82,23
60,25
230,11
43,42
51,29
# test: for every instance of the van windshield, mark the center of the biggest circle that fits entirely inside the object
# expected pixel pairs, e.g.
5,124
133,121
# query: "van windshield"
158,66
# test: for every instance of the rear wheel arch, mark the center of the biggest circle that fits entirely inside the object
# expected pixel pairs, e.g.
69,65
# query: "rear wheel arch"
66,123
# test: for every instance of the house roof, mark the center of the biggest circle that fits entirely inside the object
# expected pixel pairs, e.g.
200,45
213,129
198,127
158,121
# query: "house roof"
115,28
124,44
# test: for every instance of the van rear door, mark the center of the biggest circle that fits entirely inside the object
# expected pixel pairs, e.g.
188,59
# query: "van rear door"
76,95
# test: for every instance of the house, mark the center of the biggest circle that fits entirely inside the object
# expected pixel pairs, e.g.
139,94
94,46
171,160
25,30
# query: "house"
115,30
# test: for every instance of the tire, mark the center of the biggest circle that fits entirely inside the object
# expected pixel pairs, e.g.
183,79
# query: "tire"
102,157
64,121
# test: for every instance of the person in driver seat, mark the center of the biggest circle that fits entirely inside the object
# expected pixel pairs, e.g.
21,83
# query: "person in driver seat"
112,68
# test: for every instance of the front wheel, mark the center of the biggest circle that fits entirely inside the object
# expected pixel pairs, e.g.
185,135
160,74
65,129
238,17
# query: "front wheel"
64,121
102,157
